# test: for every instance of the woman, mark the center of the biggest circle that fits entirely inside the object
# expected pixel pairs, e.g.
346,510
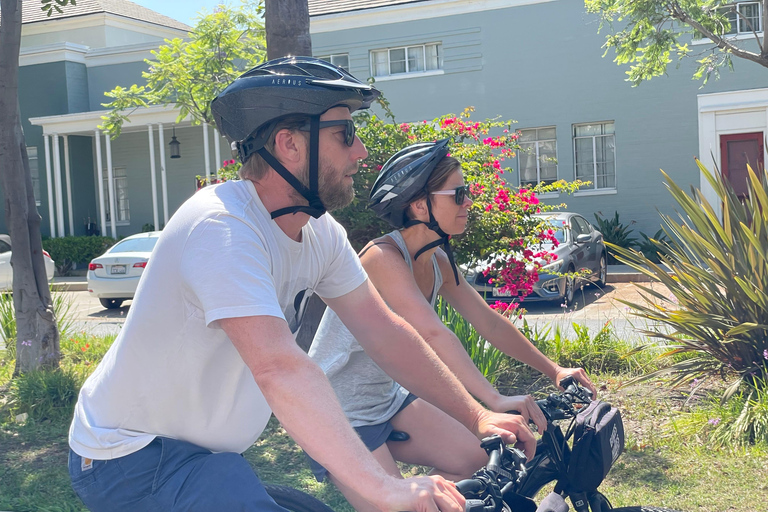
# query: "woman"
421,192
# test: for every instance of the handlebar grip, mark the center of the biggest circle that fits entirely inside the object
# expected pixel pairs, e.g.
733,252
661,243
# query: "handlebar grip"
469,486
474,506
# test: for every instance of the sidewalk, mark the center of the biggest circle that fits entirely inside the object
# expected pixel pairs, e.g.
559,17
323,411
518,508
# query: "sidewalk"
69,283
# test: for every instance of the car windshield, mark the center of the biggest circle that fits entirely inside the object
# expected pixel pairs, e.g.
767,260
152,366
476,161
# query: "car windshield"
557,227
135,245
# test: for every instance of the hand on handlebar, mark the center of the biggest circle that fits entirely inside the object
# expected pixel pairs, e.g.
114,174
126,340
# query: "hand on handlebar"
525,405
581,377
424,494
513,430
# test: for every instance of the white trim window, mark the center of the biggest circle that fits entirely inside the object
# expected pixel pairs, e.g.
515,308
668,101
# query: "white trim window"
538,156
422,58
120,180
337,59
747,20
34,170
594,154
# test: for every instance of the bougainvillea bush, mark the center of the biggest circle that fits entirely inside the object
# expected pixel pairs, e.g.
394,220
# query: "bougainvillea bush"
502,232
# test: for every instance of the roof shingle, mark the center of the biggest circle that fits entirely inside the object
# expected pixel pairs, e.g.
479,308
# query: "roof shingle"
322,7
32,12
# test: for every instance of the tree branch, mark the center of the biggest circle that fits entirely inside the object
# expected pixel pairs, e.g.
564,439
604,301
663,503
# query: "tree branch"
720,42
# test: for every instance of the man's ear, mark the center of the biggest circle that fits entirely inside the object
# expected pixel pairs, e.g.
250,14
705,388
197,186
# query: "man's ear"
290,147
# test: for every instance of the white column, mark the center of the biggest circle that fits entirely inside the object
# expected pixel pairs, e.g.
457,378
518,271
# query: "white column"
48,174
69,187
216,148
153,176
162,172
57,184
207,153
100,184
111,188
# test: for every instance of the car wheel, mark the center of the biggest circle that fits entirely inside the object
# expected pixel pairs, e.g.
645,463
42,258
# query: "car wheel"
602,275
570,289
111,303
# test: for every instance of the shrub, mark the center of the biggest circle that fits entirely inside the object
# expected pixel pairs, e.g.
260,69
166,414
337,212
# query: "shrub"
487,358
718,305
45,395
652,246
62,306
68,250
614,233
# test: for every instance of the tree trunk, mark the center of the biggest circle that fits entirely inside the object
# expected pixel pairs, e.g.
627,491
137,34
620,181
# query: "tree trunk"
37,337
287,26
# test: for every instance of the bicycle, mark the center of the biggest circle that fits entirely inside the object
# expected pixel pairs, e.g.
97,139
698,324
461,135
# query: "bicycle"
509,482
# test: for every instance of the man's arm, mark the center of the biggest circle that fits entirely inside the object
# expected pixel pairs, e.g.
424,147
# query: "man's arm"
396,346
302,399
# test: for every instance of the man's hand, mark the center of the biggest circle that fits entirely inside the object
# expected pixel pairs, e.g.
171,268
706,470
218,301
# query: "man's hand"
525,405
581,377
512,428
423,494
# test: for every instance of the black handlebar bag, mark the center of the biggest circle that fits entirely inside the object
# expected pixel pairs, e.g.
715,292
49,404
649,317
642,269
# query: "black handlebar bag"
598,440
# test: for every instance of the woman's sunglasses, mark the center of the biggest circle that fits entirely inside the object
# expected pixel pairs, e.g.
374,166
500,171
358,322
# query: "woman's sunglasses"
349,129
459,193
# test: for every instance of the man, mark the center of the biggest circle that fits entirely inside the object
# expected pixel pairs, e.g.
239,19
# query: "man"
207,351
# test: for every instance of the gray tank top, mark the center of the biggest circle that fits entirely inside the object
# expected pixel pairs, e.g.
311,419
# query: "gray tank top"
367,394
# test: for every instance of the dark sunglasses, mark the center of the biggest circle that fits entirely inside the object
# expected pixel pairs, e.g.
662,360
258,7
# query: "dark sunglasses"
459,193
349,129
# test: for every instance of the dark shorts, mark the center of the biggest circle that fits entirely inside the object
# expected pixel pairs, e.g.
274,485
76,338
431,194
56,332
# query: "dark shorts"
168,476
372,436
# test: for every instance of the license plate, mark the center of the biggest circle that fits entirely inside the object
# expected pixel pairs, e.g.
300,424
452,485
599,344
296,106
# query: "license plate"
118,269
498,293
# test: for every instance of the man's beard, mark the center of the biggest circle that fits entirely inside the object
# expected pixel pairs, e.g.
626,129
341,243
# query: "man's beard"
332,191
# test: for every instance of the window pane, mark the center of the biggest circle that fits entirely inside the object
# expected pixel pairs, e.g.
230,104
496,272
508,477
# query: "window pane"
397,61
380,63
434,57
136,245
584,130
584,150
585,172
341,60
607,128
751,12
604,149
606,175
547,153
548,173
415,59
528,170
546,133
732,20
527,135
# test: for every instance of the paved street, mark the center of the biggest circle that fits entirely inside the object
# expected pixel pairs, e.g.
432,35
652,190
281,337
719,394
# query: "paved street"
595,307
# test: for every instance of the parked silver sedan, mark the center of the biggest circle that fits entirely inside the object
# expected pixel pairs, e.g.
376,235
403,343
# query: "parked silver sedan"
114,276
6,271
580,248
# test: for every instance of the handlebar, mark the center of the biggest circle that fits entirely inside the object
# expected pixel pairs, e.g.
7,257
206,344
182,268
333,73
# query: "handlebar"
562,405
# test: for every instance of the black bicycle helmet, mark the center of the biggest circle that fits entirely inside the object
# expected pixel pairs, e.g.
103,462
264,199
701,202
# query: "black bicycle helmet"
403,178
247,111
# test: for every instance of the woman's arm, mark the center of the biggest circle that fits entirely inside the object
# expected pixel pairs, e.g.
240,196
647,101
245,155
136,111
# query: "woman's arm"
500,331
394,281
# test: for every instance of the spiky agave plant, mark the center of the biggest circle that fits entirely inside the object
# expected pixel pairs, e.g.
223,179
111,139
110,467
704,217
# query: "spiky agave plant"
717,276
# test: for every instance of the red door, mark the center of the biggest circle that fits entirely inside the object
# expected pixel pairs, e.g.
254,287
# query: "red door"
736,151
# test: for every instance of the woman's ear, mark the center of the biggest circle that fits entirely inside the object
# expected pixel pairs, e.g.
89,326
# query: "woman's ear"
419,208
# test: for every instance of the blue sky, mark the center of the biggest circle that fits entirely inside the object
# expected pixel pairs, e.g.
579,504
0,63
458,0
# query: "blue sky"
182,10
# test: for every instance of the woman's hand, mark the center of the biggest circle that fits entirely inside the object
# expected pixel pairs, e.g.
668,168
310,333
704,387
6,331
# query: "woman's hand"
581,377
523,404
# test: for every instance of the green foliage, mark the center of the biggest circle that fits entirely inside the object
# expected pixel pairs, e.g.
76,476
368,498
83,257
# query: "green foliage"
148,227
189,73
740,422
486,357
655,32
67,250
62,305
652,246
49,6
44,394
718,303
615,233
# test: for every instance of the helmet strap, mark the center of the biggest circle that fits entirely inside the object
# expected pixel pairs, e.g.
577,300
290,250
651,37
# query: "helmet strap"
316,208
444,240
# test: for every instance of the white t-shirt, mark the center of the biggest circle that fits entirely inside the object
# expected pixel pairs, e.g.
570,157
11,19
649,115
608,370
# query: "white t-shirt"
172,371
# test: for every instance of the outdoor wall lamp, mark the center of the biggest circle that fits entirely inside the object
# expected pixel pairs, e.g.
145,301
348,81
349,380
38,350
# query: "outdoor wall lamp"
175,145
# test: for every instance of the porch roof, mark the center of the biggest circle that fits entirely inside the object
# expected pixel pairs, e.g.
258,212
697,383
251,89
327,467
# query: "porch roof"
85,123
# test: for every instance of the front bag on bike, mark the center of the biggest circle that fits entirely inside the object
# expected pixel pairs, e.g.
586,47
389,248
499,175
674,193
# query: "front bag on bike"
598,440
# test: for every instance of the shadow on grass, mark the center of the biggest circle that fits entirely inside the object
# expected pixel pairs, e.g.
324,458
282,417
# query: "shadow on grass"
644,468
